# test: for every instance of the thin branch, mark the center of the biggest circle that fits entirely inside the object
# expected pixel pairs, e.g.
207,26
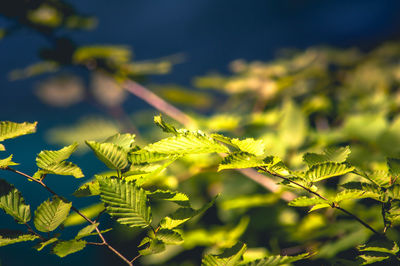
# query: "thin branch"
105,243
30,229
157,102
135,258
333,205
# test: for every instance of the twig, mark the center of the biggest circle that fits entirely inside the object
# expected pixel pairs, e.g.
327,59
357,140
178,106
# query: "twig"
30,229
104,242
157,102
333,205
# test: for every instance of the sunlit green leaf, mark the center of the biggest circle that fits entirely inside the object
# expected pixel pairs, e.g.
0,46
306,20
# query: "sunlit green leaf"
43,244
125,202
177,197
64,248
306,201
277,260
12,203
7,162
9,130
110,154
8,237
230,257
50,214
327,170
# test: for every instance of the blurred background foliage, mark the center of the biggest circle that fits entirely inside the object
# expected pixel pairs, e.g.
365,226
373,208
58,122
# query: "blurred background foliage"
303,100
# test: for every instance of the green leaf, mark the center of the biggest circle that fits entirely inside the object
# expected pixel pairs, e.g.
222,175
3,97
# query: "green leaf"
169,237
327,170
90,188
86,231
380,178
43,244
90,212
182,215
53,162
124,141
110,154
230,257
9,130
154,246
143,156
165,126
125,201
50,214
64,248
306,201
12,203
2,148
8,237
350,194
369,259
187,143
176,197
384,246
250,145
293,125
7,162
250,201
365,190
238,160
47,158
277,260
394,166
332,154
63,168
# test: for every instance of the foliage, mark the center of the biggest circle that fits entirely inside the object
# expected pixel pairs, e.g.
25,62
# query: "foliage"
323,124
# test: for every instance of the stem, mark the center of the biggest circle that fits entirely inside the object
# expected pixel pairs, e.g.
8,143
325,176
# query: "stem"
30,229
104,242
333,205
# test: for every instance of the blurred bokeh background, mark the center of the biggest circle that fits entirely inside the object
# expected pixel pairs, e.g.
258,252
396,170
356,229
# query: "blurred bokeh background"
169,44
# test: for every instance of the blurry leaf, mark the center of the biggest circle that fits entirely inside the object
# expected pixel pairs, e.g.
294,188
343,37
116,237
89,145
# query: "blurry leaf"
365,127
8,237
250,145
7,162
115,54
124,141
182,96
182,215
2,148
86,231
125,202
379,177
64,248
9,130
13,204
349,194
277,260
34,70
94,128
306,201
154,247
222,122
230,257
45,15
90,188
169,237
250,201
110,154
50,214
176,197
293,125
323,171
394,166
43,244
90,212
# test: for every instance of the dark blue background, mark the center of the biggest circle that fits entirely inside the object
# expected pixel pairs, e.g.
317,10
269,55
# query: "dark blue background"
210,33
